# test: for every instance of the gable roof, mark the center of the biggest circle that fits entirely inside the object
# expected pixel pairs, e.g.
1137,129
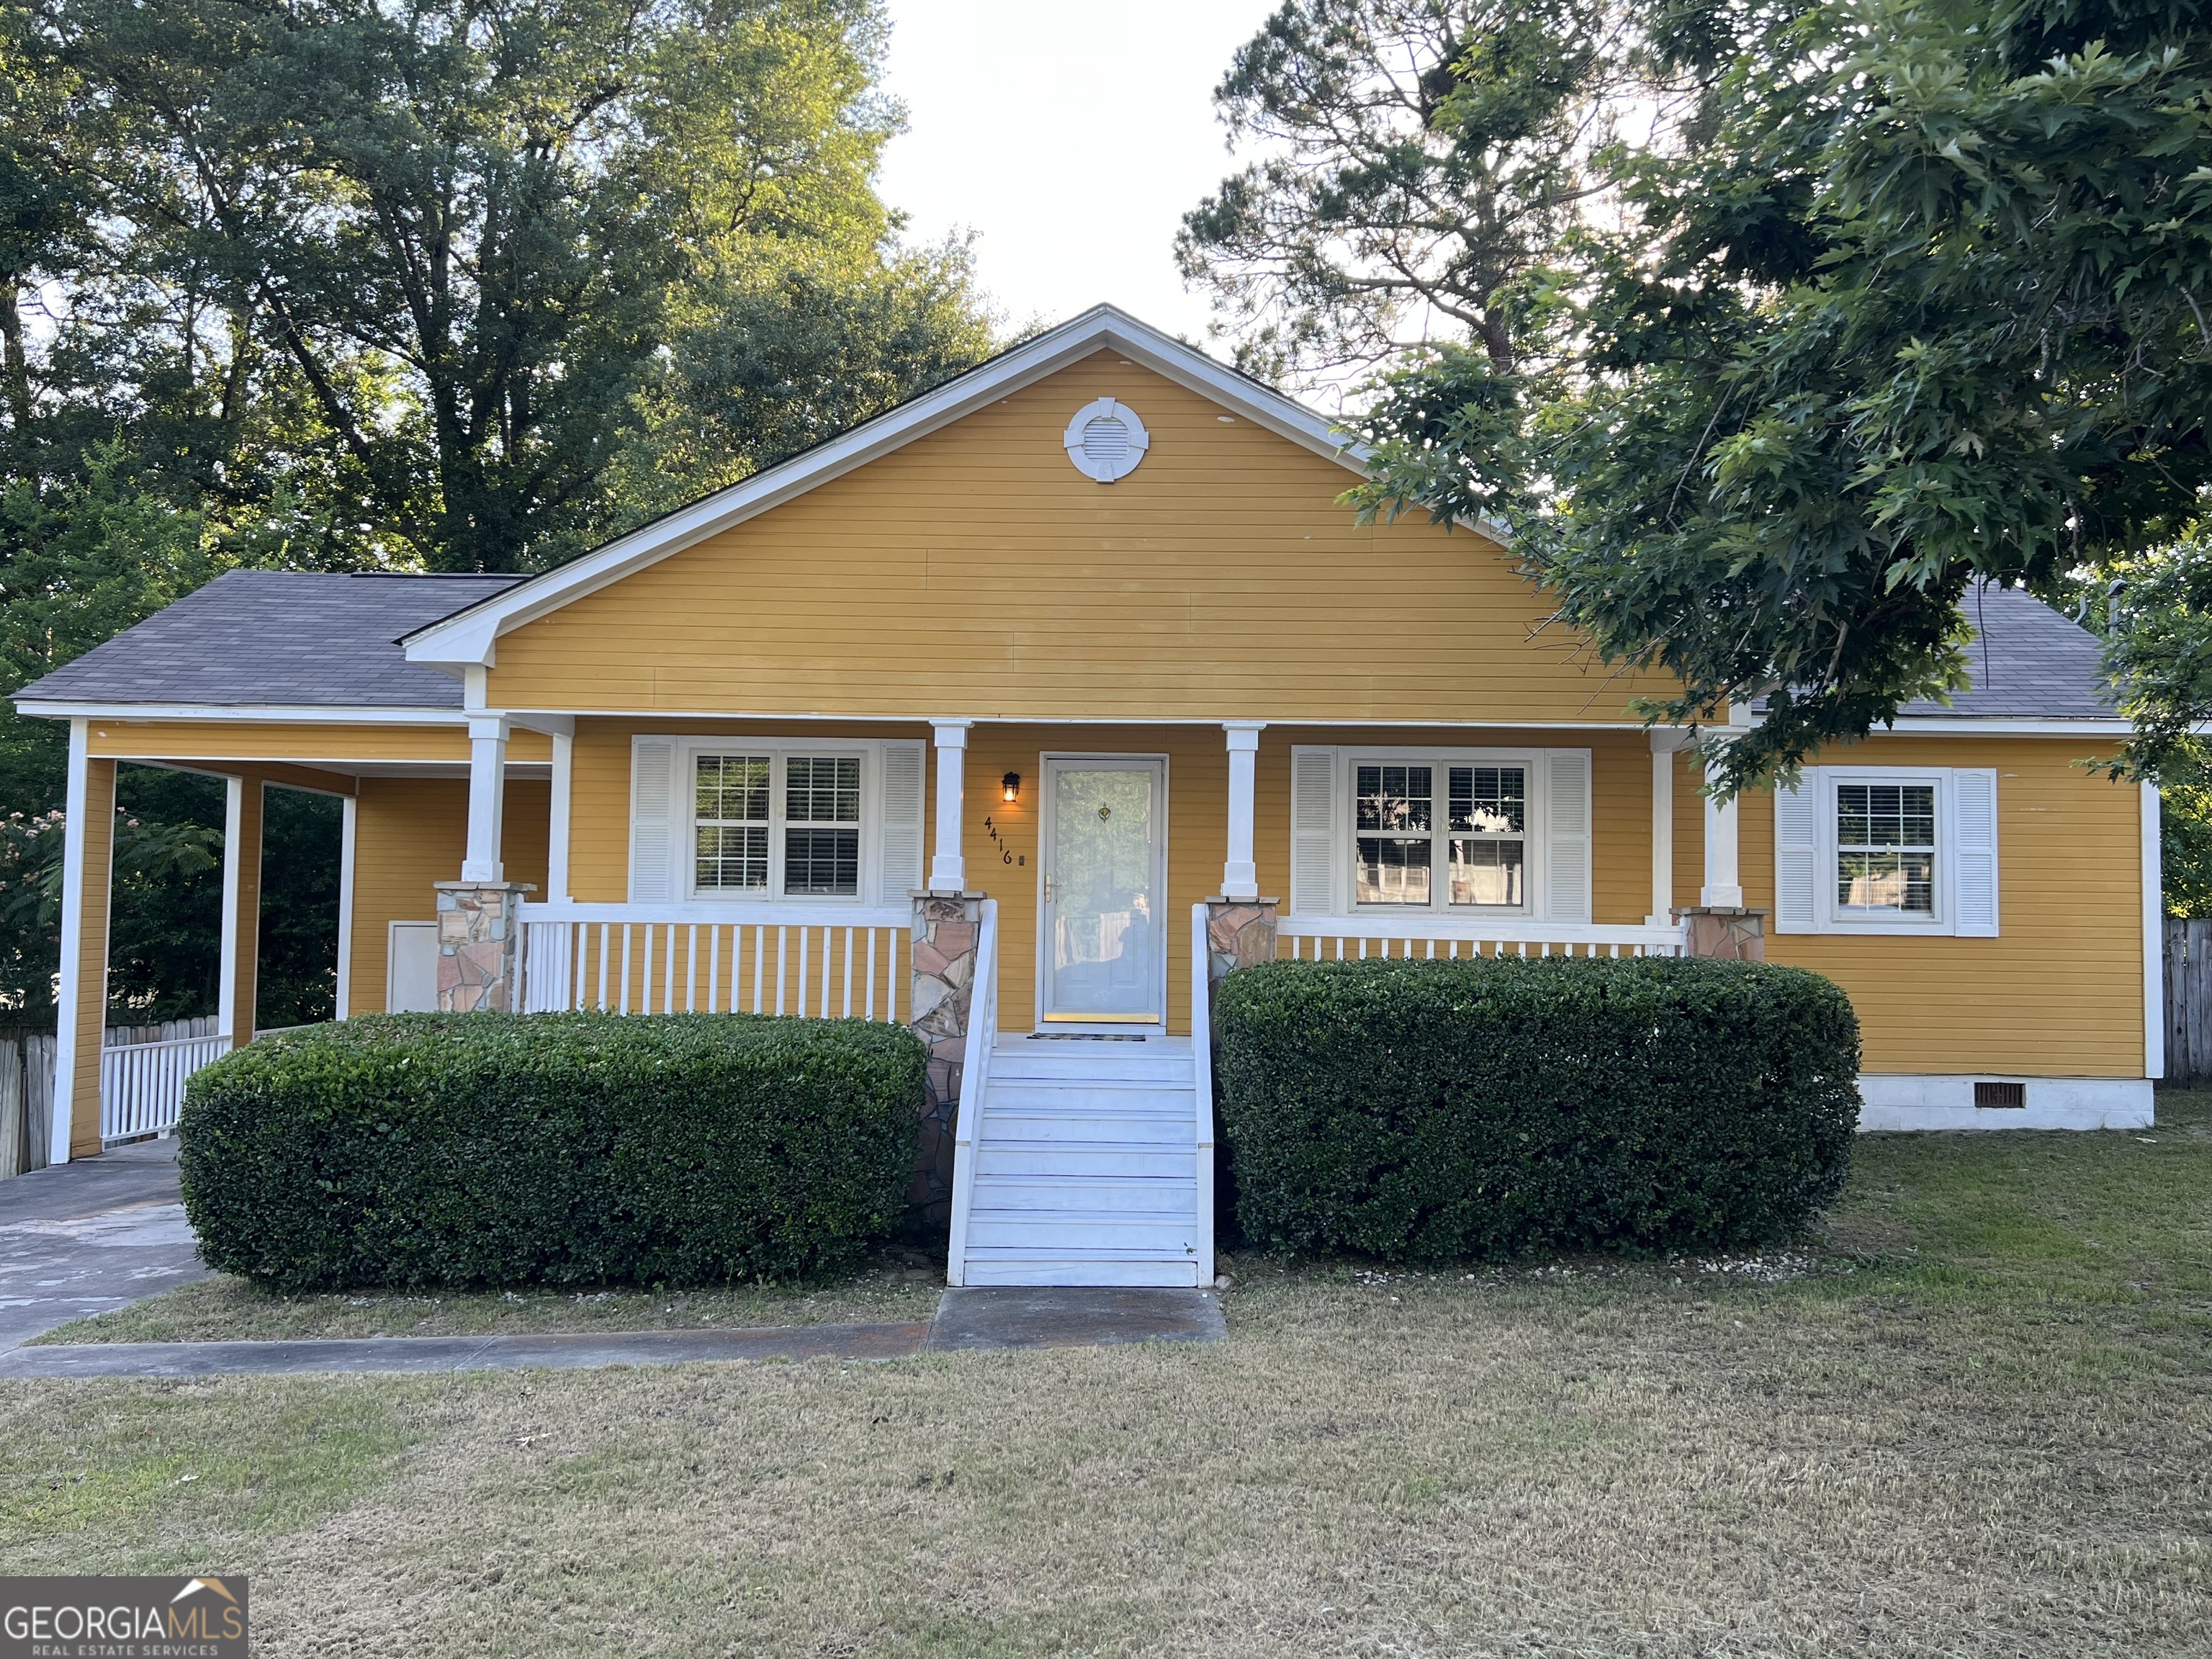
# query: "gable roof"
277,638
471,636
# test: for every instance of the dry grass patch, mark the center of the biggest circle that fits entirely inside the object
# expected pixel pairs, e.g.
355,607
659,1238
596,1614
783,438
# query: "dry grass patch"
1975,1419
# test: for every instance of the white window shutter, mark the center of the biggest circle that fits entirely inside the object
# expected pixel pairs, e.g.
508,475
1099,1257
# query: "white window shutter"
1313,831
1797,854
1567,836
656,829
1974,852
902,821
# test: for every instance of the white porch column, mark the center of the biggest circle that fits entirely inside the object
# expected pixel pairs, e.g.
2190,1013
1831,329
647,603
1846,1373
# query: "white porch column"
1724,887
243,800
349,834
1240,876
80,1011
487,797
1664,747
948,866
557,834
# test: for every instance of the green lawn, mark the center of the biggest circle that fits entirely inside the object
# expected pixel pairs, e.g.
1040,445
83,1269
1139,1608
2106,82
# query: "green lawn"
1973,1417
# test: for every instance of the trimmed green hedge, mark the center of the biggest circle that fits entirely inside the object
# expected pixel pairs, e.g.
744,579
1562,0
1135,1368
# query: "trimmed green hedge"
556,1149
1430,1111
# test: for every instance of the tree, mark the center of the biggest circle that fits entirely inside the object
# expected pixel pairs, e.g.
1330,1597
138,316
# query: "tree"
1422,162
454,241
1915,295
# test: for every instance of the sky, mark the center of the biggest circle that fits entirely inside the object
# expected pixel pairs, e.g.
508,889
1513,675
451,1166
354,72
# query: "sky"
1072,138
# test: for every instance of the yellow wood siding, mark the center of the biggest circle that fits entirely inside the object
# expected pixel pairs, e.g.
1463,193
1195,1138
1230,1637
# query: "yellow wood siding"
409,833
975,573
335,744
2057,993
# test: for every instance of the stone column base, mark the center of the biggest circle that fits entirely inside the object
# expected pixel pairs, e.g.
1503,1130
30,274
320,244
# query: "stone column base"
1239,933
479,945
948,926
1723,933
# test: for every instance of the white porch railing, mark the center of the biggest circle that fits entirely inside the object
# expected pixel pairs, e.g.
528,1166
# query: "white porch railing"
819,961
1202,1054
974,1077
1348,938
141,1084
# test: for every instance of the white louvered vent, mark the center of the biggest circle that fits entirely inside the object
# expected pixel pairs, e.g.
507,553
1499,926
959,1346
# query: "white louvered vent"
1567,836
1797,854
1105,440
652,821
1313,831
1974,793
902,787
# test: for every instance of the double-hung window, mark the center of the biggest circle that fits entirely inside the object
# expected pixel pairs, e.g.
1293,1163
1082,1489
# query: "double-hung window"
1468,848
776,824
1867,849
1886,849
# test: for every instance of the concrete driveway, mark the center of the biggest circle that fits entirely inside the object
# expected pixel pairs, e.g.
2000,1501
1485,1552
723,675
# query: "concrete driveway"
82,1239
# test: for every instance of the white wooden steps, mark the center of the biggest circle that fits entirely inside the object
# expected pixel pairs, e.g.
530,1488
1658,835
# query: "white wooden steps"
1086,1167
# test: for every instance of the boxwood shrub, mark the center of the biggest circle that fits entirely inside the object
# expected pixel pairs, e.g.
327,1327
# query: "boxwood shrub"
554,1149
1429,1111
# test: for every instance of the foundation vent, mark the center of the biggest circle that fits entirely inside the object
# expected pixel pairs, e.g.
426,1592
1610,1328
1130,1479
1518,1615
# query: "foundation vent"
2000,1096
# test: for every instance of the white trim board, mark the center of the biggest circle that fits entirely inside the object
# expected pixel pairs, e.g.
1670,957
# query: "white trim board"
287,714
471,637
1896,1100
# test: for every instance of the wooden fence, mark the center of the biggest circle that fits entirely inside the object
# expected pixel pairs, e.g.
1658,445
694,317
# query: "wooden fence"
2188,999
142,1068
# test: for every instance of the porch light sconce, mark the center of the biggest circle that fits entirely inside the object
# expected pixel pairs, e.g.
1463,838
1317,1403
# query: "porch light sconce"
1011,783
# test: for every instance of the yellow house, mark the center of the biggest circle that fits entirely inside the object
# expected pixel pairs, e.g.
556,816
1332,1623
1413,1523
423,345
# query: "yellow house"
1026,710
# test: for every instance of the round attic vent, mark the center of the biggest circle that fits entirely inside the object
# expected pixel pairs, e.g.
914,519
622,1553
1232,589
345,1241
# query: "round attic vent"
1105,440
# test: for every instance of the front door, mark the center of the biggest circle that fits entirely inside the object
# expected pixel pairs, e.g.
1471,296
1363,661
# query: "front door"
1103,944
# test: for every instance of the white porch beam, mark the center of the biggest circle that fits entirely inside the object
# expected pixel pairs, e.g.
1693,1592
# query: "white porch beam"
948,866
1240,876
1724,887
487,736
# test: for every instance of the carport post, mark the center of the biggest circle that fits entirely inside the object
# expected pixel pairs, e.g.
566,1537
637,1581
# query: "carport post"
81,1013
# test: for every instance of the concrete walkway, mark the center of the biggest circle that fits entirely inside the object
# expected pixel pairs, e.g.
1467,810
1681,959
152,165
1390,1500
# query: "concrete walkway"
87,1237
967,1320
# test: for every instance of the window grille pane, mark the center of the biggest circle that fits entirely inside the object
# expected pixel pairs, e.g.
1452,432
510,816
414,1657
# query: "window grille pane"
1886,846
822,789
822,860
1490,799
1887,881
1394,798
1885,815
1392,871
732,789
732,856
1485,873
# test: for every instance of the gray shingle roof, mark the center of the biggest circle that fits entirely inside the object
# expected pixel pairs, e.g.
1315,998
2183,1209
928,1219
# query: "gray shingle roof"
259,637
255,637
2029,662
